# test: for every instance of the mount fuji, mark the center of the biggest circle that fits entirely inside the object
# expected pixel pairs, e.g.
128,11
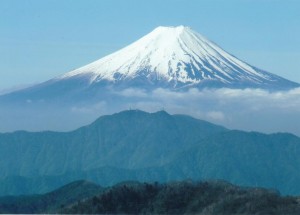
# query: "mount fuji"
170,59
176,58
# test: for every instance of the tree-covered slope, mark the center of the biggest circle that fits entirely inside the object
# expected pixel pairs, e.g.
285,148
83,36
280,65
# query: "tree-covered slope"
135,145
50,202
244,158
183,197
130,139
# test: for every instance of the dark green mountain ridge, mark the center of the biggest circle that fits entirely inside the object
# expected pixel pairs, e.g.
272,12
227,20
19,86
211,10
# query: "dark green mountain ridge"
131,197
52,201
135,145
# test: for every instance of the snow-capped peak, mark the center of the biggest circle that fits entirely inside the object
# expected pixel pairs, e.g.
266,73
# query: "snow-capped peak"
176,55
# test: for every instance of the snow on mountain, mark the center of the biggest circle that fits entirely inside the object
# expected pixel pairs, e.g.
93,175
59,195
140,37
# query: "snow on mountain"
154,72
176,57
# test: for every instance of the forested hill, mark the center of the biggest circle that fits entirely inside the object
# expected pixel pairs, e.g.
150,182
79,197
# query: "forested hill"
140,146
185,197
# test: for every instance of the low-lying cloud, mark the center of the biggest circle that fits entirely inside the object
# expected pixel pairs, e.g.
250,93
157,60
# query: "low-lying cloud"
247,109
244,109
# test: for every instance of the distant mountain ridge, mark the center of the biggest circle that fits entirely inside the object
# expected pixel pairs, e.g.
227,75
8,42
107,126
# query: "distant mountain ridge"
106,142
135,145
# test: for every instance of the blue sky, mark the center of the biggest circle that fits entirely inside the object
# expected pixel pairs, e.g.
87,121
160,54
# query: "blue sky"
43,39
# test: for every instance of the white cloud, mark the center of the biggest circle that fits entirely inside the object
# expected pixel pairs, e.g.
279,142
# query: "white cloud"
248,109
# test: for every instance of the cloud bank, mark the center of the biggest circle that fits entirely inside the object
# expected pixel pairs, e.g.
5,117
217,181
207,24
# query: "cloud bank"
246,109
243,109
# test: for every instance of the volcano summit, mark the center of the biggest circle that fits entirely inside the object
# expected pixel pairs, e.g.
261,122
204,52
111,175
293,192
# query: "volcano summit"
176,57
174,60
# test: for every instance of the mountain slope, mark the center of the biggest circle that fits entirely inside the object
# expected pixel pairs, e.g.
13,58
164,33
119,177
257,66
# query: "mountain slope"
49,202
186,197
176,57
130,139
244,158
135,145
183,197
168,57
